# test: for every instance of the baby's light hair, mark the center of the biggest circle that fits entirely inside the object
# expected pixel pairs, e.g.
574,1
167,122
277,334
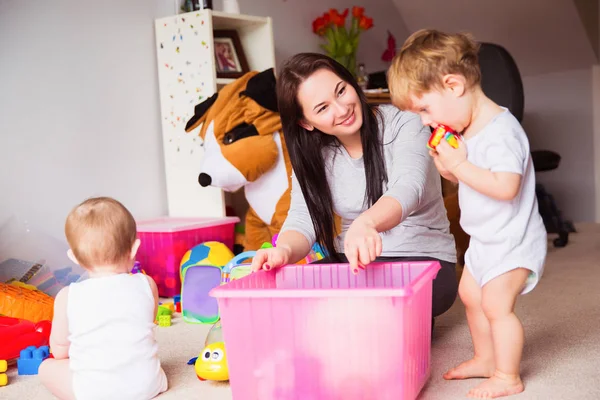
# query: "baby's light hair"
424,59
100,231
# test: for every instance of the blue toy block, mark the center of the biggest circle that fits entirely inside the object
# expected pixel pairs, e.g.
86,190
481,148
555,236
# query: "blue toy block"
176,298
31,358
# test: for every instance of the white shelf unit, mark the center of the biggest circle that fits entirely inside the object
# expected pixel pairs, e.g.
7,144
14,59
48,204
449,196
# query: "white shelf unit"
224,81
187,76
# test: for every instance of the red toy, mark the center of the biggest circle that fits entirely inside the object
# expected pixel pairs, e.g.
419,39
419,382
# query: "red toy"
442,132
17,334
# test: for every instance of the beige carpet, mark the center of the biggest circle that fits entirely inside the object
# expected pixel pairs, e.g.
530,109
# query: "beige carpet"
562,325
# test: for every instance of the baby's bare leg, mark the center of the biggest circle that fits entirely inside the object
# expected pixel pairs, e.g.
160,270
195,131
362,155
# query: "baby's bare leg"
499,297
482,364
57,378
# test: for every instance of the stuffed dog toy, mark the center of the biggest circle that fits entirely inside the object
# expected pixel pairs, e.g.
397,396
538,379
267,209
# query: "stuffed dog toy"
244,147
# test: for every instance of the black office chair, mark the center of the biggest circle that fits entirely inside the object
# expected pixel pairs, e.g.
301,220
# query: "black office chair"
501,82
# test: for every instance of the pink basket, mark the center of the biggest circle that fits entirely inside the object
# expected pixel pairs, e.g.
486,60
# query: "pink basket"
165,240
319,332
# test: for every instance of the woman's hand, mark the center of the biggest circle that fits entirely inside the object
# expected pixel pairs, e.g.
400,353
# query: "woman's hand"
362,243
271,258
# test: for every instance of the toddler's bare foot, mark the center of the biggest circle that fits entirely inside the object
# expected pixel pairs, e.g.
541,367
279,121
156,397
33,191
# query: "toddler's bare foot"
474,368
497,386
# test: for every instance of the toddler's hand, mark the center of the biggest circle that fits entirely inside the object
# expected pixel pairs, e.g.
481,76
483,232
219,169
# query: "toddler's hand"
438,164
362,243
449,157
271,258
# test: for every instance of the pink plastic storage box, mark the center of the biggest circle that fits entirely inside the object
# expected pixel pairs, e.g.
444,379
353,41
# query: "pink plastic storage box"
319,332
165,240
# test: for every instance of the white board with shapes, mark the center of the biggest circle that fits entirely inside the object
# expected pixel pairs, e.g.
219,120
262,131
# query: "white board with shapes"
187,76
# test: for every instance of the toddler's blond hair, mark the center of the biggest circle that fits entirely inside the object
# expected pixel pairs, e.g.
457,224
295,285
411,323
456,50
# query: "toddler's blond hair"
100,231
426,56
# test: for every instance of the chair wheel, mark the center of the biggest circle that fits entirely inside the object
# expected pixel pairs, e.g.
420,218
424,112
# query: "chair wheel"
561,241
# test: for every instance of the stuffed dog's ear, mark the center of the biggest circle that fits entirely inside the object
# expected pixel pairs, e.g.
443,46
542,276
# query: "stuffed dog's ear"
200,113
261,89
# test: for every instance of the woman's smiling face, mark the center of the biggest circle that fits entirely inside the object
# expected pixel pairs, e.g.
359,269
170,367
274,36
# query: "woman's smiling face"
330,104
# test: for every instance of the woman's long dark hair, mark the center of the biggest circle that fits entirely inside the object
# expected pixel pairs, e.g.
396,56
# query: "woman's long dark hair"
305,147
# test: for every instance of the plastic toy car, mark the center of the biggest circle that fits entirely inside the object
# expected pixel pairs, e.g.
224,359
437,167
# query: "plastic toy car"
211,364
17,334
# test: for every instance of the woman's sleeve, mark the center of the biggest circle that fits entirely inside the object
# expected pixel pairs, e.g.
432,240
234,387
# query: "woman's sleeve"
298,218
410,162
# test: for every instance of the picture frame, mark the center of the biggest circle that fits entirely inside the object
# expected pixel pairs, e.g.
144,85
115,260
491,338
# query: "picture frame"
230,60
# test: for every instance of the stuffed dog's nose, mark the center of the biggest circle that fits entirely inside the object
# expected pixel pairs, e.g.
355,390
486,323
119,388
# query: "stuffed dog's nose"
204,179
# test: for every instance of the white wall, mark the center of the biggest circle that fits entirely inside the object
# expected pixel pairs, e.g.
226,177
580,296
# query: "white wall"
554,47
543,36
596,112
292,26
559,117
79,107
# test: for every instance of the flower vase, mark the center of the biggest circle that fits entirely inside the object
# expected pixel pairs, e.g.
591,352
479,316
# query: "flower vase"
341,42
348,61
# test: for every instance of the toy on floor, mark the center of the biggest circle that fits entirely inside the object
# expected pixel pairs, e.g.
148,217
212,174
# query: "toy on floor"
30,256
212,362
137,268
316,252
24,303
3,376
164,311
177,301
56,280
31,358
209,265
442,132
235,269
164,320
164,314
215,334
18,334
201,271
37,276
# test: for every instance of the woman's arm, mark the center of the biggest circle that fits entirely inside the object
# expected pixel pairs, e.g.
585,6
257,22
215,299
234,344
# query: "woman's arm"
407,172
298,224
385,214
59,335
295,239
295,244
407,177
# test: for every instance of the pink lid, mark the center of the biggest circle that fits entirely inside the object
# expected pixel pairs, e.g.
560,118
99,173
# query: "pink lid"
176,224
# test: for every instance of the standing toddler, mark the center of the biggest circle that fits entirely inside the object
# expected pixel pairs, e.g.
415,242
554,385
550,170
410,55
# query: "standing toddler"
437,76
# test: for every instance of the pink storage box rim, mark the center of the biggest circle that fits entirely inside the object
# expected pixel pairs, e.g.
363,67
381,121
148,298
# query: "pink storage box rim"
429,273
176,224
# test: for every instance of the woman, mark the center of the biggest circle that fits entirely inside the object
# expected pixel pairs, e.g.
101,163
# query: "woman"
370,166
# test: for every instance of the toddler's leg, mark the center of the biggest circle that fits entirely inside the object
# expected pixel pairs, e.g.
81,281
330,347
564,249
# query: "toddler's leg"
499,297
57,378
482,364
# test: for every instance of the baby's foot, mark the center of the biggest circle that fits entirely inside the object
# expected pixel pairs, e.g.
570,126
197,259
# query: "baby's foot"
474,368
497,386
